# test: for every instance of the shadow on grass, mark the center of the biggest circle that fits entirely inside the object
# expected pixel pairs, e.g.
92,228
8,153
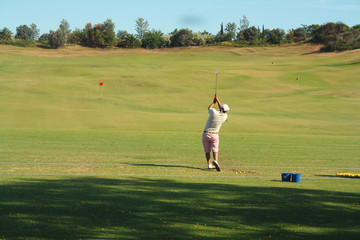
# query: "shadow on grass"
44,46
166,165
138,208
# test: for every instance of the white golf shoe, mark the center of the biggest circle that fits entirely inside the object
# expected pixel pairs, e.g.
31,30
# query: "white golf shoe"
217,166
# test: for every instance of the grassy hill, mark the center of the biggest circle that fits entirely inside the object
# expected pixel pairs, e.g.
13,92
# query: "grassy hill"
170,90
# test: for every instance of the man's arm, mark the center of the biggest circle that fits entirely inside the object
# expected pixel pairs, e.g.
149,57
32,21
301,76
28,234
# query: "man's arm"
211,105
216,100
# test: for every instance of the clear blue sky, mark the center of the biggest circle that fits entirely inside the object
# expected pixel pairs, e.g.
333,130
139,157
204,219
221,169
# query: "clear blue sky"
166,15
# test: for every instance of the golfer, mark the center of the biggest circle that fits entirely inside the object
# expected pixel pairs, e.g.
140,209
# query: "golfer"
210,136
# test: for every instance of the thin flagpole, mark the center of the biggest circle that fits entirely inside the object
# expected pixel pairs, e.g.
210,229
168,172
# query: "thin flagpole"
101,84
297,79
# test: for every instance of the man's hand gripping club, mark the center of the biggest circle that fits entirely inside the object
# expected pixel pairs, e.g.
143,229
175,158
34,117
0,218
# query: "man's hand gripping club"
216,100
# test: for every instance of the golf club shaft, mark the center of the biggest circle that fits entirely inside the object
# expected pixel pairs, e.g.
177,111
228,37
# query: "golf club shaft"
216,84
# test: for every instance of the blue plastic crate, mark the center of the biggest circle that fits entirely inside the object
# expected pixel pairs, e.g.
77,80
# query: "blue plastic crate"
285,177
295,177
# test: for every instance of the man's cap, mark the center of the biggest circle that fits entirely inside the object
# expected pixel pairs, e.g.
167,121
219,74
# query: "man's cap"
225,108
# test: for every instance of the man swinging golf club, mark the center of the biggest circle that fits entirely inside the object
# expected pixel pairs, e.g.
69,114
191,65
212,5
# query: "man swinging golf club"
210,136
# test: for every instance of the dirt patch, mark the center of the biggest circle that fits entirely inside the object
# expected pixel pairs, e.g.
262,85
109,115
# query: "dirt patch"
79,51
75,51
19,169
279,50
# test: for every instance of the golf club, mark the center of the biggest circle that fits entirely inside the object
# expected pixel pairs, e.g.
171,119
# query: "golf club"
216,83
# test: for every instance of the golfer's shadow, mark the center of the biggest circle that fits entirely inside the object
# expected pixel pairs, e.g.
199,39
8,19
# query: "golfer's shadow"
164,165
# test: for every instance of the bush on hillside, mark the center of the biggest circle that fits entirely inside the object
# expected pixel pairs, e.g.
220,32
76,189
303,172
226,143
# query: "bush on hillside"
153,40
337,37
182,38
19,43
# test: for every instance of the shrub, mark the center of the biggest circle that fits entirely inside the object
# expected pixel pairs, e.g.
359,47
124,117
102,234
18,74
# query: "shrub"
182,38
154,39
19,43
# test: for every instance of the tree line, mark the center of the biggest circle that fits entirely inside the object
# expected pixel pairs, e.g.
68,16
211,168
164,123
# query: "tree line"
334,36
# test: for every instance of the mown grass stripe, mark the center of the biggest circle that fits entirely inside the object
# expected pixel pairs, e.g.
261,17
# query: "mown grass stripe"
166,176
163,165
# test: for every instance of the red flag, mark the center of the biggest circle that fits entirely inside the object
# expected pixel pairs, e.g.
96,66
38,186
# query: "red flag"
297,78
101,83
272,62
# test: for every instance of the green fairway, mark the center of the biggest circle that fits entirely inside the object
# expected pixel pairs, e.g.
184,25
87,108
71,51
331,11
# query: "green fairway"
130,165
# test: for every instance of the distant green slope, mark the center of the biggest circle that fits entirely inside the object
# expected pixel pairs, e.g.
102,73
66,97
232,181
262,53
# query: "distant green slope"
170,90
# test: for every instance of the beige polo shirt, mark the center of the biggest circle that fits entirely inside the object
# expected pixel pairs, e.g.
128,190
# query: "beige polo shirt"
215,120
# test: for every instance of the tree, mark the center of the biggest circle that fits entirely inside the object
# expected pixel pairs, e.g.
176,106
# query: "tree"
44,37
27,33
244,24
208,37
221,29
121,34
99,35
300,32
205,33
35,32
65,26
141,27
356,27
310,30
24,32
108,33
97,39
5,34
130,41
87,35
198,39
290,35
182,38
337,37
154,39
263,35
276,35
296,35
75,37
222,36
57,38
251,34
328,32
230,30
